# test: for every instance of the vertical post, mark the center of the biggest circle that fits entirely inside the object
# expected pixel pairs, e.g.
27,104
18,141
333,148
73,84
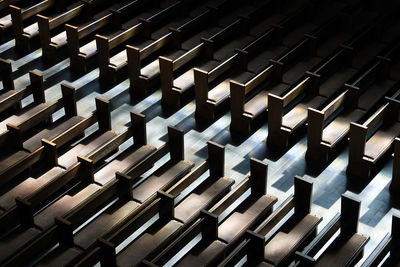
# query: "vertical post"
44,30
69,100
166,74
350,211
103,113
138,125
209,225
176,143
86,169
216,159
302,195
6,72
166,205
37,87
258,177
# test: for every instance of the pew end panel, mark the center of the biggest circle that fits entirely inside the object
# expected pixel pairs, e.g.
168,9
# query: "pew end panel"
5,74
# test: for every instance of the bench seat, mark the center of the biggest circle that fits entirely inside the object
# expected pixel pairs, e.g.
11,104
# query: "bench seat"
283,244
10,160
298,114
59,257
45,219
5,22
374,93
185,81
70,157
343,254
28,187
193,203
144,245
103,224
381,140
221,92
13,242
205,257
335,82
154,183
296,71
59,40
22,116
32,30
239,222
7,94
152,70
259,103
340,126
122,163
50,133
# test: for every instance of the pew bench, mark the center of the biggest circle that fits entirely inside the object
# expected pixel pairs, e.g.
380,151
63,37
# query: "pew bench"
51,132
81,54
28,187
45,219
347,248
206,257
385,254
147,243
221,232
281,243
146,27
85,148
10,97
169,224
219,94
350,106
107,224
370,141
19,15
176,33
123,163
284,244
157,182
190,207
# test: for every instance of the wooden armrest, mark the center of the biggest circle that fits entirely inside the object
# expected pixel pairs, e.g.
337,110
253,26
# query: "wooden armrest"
295,92
334,105
375,118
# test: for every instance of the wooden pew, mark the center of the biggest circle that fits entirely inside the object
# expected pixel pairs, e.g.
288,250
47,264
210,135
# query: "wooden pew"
370,141
15,163
279,130
222,233
219,56
23,34
5,21
347,248
395,183
263,245
252,68
136,53
145,27
84,243
6,75
48,23
12,98
389,246
188,52
78,33
349,106
36,191
61,217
